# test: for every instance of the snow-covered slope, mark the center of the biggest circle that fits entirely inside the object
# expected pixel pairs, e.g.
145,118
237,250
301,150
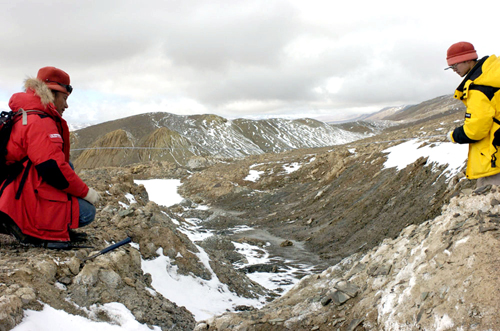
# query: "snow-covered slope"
203,135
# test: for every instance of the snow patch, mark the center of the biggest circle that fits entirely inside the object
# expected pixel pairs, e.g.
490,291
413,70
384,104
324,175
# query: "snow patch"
162,191
130,198
439,153
253,175
289,168
50,319
203,298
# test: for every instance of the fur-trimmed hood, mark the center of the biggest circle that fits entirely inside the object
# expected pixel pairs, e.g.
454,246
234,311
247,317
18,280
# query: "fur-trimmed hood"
37,96
41,89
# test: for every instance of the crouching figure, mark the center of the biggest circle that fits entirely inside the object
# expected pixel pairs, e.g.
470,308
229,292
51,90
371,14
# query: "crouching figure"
45,199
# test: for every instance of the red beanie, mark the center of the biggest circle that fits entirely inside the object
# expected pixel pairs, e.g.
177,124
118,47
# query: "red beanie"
460,52
53,77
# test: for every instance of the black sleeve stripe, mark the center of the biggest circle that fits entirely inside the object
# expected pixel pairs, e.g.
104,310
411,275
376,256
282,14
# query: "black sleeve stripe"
489,91
50,173
460,137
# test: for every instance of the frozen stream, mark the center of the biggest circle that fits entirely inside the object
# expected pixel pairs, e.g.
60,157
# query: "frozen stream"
208,298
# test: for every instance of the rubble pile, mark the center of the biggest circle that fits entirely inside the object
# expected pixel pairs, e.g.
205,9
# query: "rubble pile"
442,274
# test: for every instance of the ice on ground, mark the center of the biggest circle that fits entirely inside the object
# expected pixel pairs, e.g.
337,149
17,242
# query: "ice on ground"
124,205
208,298
253,175
289,168
162,191
194,231
284,280
253,254
130,198
50,319
203,298
441,153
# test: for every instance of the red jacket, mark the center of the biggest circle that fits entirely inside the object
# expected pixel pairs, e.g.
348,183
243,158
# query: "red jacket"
47,206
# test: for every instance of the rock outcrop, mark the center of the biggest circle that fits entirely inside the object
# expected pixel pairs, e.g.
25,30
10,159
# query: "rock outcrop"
336,201
165,145
440,275
101,155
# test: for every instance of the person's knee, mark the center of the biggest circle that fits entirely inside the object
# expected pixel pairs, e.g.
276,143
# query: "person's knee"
87,213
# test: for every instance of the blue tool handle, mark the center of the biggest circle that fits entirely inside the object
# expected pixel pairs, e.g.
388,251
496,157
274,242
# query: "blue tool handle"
118,244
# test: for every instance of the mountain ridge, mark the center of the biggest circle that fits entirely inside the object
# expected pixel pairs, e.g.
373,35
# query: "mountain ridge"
201,135
211,136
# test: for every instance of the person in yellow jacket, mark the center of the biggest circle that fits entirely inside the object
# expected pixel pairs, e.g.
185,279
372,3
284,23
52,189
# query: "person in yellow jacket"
479,92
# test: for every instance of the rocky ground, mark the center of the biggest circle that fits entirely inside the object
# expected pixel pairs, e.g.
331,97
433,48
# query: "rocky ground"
440,275
340,201
31,276
393,250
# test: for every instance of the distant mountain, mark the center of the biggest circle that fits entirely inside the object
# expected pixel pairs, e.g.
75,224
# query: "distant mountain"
383,113
440,106
75,127
175,138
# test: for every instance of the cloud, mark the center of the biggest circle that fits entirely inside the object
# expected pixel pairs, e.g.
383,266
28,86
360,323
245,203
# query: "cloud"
238,58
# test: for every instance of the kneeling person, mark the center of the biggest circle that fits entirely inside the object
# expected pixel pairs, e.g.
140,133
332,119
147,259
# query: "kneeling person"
46,198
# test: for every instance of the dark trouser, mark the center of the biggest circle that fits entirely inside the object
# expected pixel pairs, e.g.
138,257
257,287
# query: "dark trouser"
87,210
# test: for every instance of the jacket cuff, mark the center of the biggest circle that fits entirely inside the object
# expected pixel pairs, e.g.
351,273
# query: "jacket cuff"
460,137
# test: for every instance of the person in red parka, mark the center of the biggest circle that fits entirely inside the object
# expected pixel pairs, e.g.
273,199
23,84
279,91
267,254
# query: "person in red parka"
47,198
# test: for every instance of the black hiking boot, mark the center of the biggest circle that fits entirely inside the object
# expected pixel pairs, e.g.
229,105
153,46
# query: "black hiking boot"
8,226
77,236
11,228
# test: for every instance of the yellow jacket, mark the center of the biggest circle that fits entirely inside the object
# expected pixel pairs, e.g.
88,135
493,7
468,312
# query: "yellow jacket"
478,91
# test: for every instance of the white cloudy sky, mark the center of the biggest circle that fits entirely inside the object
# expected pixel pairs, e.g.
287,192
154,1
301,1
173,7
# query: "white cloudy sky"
240,58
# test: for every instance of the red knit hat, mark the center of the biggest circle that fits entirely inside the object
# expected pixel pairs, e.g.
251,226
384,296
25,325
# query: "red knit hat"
55,78
460,52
